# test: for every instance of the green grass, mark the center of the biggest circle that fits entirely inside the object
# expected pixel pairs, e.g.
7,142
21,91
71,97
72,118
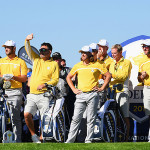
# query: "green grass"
76,146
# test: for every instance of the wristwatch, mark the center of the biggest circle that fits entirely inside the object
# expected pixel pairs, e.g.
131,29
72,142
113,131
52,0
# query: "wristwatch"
46,85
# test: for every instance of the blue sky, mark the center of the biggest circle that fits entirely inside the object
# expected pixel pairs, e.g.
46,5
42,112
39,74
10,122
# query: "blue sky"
71,24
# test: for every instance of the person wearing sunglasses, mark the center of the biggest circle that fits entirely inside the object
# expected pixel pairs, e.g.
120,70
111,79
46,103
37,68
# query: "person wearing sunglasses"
45,72
144,77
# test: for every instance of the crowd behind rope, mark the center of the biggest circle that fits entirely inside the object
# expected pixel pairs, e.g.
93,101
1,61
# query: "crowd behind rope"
81,86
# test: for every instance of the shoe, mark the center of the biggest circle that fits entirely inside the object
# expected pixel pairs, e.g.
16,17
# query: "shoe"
88,141
67,142
35,139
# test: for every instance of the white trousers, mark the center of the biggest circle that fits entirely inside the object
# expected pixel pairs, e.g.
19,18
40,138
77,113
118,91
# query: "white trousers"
84,101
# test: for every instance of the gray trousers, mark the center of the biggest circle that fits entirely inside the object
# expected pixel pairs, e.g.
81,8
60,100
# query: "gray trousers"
15,100
84,101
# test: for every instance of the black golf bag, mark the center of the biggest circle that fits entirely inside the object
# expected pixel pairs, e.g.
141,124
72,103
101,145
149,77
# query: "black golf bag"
113,126
53,120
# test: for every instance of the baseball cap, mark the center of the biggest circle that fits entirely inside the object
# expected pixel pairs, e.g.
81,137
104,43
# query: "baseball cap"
146,42
103,42
93,46
56,55
85,49
9,43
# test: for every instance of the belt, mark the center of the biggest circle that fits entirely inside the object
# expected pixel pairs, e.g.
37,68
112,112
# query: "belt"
89,92
13,89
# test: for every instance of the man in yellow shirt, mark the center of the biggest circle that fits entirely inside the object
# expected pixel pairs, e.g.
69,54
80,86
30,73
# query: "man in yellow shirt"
45,71
14,69
102,55
86,93
144,77
120,69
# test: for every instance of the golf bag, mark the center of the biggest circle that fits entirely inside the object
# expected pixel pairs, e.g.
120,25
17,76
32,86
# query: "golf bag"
53,120
6,136
113,126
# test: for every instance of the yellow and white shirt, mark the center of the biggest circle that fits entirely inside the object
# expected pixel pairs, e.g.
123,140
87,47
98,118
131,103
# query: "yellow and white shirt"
43,71
15,66
120,72
145,66
107,61
88,75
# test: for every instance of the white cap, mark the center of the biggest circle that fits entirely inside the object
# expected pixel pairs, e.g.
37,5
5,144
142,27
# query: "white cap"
85,49
93,46
103,42
9,43
146,42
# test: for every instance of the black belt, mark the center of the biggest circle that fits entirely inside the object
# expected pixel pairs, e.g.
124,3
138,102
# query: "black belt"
89,92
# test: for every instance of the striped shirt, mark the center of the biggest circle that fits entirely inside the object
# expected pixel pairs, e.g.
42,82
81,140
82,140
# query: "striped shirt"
88,75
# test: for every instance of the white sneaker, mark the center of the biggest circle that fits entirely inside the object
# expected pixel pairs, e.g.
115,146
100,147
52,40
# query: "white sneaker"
88,141
35,139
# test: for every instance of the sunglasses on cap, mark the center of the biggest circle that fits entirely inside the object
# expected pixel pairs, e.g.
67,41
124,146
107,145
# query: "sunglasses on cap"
43,50
145,46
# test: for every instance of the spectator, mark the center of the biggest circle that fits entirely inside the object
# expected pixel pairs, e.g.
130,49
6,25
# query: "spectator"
63,71
14,69
68,94
45,71
29,70
29,73
63,62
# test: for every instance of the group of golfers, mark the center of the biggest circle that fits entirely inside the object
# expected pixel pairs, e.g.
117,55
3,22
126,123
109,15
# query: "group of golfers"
95,65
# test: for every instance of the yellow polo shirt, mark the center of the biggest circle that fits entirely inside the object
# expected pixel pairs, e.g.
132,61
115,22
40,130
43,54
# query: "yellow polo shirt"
120,72
88,75
43,71
145,66
107,61
15,66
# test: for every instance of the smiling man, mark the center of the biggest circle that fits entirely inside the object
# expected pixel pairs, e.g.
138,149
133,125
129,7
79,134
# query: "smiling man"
120,69
45,71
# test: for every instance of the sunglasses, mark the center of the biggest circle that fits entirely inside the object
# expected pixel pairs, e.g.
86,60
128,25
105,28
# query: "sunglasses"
43,50
145,46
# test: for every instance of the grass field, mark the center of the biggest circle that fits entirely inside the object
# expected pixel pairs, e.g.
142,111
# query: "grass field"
76,146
